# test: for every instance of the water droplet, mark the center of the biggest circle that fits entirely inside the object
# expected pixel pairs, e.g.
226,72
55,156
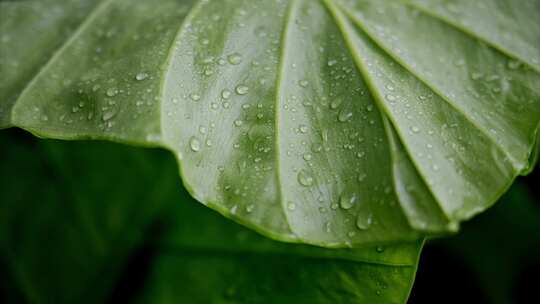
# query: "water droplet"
332,62
335,103
291,206
242,90
347,201
379,249
344,115
364,221
305,179
390,97
238,122
250,208
234,58
316,147
194,144
303,83
195,97
362,177
415,129
141,76
226,94
111,92
108,115
303,128
307,156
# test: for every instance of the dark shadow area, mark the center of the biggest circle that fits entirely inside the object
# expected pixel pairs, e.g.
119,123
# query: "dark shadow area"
526,284
443,278
133,278
9,292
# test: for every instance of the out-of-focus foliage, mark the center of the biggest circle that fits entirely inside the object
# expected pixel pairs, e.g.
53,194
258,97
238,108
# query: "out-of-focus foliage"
73,216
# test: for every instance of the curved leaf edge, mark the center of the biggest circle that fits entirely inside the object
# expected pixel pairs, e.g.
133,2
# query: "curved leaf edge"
267,233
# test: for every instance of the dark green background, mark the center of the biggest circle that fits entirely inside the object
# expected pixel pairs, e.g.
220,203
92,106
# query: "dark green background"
493,260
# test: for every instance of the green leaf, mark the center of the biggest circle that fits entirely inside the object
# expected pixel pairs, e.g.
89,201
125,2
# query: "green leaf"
71,237
331,122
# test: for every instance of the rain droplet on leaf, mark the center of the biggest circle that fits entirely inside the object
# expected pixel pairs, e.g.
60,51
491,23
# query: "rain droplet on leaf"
242,90
347,200
234,58
305,179
194,144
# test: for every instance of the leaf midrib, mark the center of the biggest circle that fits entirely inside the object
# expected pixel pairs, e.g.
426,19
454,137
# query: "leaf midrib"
279,82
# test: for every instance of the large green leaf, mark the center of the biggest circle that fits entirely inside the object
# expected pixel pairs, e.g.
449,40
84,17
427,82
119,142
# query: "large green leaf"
68,230
331,122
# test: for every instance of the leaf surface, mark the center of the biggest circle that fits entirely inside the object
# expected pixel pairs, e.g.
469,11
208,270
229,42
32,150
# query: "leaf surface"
331,122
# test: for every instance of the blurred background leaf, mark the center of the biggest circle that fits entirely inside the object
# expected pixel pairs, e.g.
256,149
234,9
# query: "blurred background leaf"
69,232
93,222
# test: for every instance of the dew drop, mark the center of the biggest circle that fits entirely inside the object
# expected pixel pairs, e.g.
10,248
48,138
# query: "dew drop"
194,144
390,97
291,206
335,103
141,76
303,83
364,221
234,58
344,115
316,147
108,115
347,201
195,97
242,90
226,94
362,177
111,92
305,179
